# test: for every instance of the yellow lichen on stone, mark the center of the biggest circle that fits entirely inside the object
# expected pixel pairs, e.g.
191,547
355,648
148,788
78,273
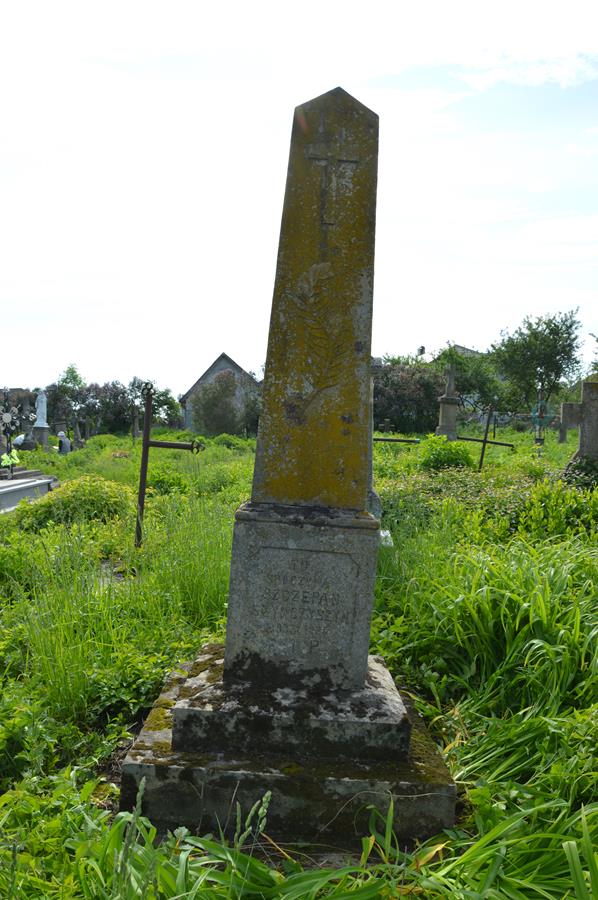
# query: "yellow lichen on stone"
158,719
313,445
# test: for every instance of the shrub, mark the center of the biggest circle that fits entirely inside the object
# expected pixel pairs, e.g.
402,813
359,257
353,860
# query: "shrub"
167,481
214,406
582,471
438,453
231,441
407,395
17,560
553,510
89,498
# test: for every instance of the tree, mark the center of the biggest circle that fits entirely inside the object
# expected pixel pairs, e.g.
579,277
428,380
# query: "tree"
214,407
539,355
71,380
476,379
407,395
252,408
66,397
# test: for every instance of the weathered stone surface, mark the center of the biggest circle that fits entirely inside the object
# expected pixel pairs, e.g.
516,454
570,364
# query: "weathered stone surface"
213,716
585,415
295,708
317,800
17,489
448,407
313,441
40,434
300,601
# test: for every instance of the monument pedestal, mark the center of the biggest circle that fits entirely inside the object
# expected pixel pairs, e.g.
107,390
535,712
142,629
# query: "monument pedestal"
447,422
326,758
301,594
40,434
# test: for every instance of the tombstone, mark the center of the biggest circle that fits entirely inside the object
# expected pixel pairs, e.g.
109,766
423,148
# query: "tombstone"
41,410
135,432
27,420
449,404
292,704
41,429
78,442
585,416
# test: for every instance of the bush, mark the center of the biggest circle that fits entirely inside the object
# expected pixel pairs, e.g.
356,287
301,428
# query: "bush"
18,558
231,441
553,510
438,453
176,434
407,395
214,406
85,499
167,481
582,471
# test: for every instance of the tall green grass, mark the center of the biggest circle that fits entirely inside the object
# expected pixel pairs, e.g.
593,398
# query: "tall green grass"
485,611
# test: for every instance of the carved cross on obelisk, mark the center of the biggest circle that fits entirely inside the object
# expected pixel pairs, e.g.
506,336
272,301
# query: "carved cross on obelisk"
337,162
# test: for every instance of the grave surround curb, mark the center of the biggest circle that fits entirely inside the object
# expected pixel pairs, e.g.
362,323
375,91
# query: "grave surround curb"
317,800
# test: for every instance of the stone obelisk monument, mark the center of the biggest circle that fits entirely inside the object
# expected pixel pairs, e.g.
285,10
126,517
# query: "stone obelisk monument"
293,704
304,555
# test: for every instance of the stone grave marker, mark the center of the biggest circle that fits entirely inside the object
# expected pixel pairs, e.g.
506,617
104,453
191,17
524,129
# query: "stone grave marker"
585,416
293,704
41,429
449,404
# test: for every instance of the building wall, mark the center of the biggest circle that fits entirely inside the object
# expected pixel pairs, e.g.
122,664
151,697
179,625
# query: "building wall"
245,385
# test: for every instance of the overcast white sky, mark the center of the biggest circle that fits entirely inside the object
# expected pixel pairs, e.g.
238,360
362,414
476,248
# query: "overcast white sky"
143,154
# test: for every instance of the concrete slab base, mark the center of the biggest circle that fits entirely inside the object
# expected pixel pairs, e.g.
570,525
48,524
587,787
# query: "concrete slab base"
315,798
12,492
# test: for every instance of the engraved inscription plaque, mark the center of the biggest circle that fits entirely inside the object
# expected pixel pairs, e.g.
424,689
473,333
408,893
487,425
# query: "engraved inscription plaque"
302,601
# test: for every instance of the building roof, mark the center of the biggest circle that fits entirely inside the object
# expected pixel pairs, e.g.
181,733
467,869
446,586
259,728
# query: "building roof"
231,364
466,351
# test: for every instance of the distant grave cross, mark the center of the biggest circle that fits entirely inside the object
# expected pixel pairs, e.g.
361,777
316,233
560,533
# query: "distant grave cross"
450,380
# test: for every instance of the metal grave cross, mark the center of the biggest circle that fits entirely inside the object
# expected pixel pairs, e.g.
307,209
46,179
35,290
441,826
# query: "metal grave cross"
147,392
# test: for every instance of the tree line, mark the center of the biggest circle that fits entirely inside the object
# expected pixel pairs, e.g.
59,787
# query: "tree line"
540,360
90,409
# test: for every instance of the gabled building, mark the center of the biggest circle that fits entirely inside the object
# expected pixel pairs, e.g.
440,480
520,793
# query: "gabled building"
245,382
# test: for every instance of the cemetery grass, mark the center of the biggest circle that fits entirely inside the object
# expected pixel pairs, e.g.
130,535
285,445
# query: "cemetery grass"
485,612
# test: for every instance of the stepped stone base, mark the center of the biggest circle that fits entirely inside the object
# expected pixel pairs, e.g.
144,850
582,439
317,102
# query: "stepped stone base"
202,751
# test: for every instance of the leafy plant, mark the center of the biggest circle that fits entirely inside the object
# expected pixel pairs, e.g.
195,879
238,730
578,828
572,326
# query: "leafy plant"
438,453
9,459
164,480
87,498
